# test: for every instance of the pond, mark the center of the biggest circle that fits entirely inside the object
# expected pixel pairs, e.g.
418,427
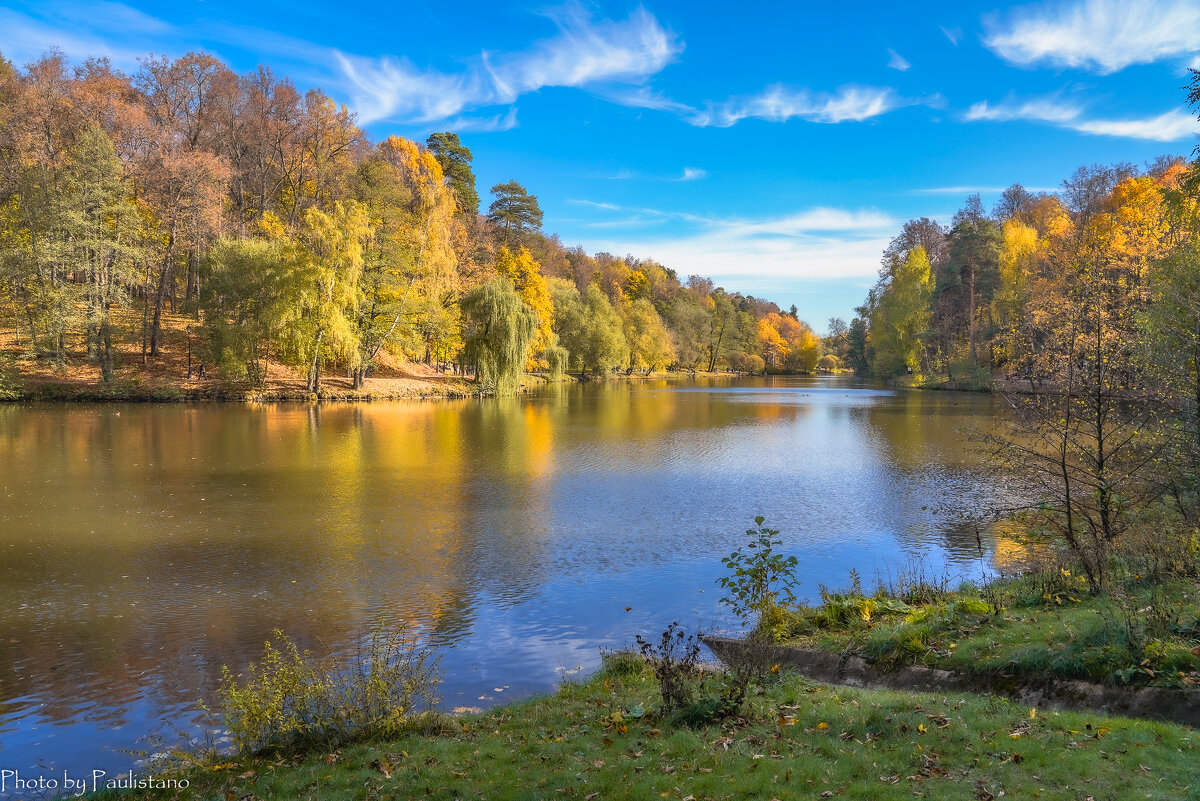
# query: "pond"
143,547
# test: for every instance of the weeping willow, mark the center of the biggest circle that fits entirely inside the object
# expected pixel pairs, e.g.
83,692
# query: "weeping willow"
556,357
499,330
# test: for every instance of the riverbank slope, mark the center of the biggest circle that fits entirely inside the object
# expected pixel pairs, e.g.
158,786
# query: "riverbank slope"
793,739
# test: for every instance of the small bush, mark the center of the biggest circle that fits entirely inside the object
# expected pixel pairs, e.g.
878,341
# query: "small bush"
759,576
10,379
676,665
293,700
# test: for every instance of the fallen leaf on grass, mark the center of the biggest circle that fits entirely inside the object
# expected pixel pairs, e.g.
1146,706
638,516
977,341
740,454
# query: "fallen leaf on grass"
383,766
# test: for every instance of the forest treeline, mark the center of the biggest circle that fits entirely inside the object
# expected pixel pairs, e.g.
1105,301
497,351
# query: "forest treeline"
1009,291
1086,300
1001,291
286,235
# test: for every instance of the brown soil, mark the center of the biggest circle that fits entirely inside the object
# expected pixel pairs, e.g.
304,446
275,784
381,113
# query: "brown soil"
165,376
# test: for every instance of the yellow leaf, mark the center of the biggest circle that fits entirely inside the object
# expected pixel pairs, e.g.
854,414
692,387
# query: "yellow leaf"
1033,713
822,726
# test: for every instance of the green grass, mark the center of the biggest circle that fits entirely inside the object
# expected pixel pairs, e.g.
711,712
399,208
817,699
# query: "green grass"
794,739
1141,633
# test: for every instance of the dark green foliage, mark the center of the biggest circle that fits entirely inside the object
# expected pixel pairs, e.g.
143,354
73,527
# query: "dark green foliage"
514,209
455,159
759,575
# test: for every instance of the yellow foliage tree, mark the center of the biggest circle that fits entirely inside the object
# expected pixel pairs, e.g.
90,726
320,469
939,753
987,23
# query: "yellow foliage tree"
526,274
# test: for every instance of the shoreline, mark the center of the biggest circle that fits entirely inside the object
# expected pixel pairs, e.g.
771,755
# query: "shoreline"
607,737
337,390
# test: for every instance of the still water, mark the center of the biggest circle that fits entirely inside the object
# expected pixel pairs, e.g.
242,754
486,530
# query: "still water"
143,547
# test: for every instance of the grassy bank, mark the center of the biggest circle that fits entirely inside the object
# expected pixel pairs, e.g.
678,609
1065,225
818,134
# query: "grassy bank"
793,739
1043,625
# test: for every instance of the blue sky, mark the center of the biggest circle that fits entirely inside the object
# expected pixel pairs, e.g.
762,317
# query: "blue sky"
775,148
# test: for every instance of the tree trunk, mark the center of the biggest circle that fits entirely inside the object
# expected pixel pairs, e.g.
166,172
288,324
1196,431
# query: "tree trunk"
314,373
107,367
971,319
160,296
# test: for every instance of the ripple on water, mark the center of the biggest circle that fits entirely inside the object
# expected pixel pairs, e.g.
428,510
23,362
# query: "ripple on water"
518,536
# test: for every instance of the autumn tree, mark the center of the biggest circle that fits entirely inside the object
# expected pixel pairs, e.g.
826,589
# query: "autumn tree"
320,291
1172,332
103,236
526,275
1095,446
900,320
647,338
246,301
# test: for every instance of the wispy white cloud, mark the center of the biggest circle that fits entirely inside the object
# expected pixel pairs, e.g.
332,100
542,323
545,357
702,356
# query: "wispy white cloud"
953,34
897,61
779,103
1170,126
811,243
1102,36
584,53
619,175
692,174
496,122
1046,109
104,29
645,97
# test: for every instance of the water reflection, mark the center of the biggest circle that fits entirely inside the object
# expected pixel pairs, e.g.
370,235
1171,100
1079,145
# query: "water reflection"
142,547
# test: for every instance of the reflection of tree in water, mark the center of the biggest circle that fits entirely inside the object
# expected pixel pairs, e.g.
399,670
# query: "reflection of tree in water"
943,492
210,529
231,521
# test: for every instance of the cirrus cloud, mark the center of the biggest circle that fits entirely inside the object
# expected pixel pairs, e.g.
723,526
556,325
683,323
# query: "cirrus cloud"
1170,126
584,52
780,103
1101,36
818,242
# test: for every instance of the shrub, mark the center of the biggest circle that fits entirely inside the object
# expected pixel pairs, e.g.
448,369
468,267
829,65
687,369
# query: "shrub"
759,575
292,699
675,661
10,380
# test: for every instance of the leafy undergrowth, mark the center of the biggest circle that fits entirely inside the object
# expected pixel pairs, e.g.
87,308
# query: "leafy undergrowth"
793,739
1144,633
